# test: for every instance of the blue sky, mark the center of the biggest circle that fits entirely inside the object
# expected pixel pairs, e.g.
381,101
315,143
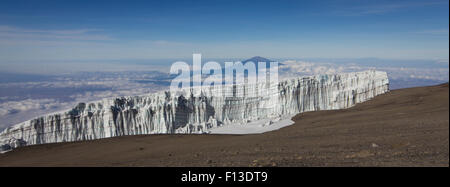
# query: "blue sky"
113,30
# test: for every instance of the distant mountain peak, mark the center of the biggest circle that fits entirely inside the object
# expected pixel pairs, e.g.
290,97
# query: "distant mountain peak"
257,59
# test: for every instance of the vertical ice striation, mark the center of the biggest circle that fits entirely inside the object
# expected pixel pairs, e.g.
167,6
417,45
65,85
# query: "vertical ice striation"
161,113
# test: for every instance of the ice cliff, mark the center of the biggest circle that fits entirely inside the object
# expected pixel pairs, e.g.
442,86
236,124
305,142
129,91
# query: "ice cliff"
161,113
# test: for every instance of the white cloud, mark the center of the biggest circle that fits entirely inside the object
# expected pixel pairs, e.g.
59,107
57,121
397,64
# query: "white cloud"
434,32
167,43
8,32
380,8
11,107
301,68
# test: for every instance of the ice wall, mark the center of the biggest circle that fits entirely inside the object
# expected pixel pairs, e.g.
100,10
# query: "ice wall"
163,112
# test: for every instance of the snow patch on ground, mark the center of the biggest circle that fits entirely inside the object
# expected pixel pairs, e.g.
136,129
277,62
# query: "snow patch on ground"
254,127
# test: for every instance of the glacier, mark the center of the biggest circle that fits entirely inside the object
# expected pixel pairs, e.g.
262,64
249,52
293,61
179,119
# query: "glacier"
167,113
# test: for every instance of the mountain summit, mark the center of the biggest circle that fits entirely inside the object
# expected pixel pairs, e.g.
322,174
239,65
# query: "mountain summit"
257,59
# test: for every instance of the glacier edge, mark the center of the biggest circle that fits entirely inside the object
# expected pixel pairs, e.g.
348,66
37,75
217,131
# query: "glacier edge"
163,113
